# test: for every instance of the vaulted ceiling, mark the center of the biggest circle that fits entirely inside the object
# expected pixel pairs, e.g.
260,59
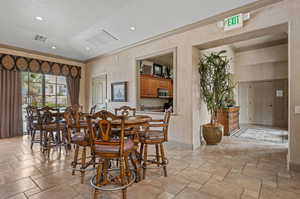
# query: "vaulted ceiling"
84,29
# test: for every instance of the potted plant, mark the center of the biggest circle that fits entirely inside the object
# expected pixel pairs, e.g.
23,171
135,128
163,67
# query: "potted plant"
215,88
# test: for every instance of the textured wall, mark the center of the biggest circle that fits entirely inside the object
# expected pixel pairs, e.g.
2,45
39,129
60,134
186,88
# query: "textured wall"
185,125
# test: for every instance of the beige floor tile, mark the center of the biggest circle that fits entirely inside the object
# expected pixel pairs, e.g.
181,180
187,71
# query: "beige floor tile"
14,188
18,196
65,192
170,184
190,193
143,191
236,168
165,195
222,189
275,193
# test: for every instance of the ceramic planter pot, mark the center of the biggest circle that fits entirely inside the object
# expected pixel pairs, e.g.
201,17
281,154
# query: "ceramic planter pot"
212,133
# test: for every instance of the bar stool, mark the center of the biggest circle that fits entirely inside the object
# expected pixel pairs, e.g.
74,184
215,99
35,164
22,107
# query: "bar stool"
77,133
33,125
107,147
52,130
125,111
155,137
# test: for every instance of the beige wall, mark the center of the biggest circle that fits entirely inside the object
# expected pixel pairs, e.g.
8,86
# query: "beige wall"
294,84
262,64
185,125
52,59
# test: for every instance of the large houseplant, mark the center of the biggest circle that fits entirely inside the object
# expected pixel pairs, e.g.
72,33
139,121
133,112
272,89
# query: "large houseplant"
215,88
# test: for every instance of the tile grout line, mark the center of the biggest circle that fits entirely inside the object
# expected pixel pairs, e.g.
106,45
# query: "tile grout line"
35,183
260,189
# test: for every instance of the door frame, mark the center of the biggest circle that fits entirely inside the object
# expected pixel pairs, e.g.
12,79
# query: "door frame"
106,83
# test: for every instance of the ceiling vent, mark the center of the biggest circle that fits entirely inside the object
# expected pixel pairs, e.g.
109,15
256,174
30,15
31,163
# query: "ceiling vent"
101,38
40,38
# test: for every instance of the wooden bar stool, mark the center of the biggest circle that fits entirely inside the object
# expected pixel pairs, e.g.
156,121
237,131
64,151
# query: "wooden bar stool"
125,111
52,130
77,132
108,147
32,125
155,137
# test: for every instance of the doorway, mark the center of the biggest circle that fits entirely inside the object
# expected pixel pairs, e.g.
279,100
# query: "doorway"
264,103
259,68
99,92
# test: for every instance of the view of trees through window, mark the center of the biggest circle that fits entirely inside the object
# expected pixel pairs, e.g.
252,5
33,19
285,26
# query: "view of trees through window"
44,90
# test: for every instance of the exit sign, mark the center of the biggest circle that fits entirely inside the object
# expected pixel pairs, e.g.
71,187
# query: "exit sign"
234,22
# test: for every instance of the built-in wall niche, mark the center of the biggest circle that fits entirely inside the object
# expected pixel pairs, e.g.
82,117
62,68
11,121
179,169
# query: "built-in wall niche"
156,82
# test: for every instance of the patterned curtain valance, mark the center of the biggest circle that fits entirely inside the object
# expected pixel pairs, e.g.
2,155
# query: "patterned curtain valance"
18,63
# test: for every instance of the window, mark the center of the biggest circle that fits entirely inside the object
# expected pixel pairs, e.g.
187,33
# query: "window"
44,90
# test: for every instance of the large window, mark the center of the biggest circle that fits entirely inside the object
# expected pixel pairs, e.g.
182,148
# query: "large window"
44,90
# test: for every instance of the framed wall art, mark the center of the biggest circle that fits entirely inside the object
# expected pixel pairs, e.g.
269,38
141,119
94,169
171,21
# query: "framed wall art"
119,92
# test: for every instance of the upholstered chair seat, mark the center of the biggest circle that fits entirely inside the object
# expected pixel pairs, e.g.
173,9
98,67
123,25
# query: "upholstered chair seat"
54,126
80,138
128,146
152,135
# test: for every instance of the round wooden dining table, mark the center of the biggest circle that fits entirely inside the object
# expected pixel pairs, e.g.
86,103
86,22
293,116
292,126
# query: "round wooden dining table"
133,121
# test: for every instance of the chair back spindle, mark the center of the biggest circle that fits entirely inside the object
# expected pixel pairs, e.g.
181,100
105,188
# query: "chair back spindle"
125,111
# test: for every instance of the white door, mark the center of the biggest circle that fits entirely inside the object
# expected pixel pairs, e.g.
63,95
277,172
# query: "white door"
99,92
263,103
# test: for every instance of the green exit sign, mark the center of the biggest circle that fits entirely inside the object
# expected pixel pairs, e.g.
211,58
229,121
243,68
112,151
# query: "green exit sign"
233,22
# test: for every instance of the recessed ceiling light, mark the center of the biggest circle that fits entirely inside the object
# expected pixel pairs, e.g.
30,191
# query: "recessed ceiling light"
132,28
53,47
39,18
87,48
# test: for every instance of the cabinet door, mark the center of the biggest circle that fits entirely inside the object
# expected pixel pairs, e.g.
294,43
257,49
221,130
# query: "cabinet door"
153,84
170,87
144,90
148,87
163,83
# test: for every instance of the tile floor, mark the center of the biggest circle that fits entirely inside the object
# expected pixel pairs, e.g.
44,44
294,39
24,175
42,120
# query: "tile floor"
263,133
237,168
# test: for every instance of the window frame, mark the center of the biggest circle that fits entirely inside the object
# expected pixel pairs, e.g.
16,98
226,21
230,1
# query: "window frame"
43,86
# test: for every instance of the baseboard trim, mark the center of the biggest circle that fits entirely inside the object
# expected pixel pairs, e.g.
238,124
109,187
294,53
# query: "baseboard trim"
294,166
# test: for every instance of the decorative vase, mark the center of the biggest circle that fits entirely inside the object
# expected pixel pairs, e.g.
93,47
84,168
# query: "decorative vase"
212,133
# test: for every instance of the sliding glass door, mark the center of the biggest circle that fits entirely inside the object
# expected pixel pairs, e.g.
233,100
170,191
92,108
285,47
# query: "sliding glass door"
43,90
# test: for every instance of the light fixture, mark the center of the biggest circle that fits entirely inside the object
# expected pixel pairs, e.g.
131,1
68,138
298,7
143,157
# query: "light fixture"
87,48
53,47
39,18
132,28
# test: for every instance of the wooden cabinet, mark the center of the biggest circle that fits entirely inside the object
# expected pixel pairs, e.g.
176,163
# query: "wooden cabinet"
149,86
229,118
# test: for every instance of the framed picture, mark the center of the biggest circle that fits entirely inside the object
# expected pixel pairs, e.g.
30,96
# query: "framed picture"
119,92
157,70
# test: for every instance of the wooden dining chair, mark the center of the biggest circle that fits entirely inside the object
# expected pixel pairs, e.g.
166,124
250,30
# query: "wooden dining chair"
77,133
107,147
155,133
125,111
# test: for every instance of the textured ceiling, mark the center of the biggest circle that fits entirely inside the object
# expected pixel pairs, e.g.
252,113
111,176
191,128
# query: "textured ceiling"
85,29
